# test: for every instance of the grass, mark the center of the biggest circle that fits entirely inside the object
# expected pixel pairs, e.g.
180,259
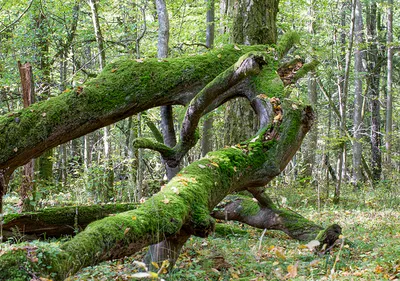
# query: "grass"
370,251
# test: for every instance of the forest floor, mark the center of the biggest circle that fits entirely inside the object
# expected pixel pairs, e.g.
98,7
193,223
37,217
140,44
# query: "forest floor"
371,248
370,219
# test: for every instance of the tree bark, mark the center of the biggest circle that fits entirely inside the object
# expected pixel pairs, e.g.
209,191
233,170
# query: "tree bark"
269,217
57,222
389,100
374,70
28,90
358,100
343,101
255,22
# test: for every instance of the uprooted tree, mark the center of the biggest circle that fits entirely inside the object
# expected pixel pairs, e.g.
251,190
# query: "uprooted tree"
184,207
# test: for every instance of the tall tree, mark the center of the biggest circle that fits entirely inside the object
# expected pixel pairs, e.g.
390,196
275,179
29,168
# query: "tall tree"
374,70
108,192
389,100
343,94
206,140
358,88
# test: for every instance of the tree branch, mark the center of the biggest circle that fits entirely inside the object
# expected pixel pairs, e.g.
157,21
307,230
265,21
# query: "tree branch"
165,151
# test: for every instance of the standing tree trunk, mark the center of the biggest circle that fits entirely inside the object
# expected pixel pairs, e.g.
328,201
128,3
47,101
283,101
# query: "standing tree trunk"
206,140
374,70
44,164
28,93
108,192
343,102
255,22
358,100
389,100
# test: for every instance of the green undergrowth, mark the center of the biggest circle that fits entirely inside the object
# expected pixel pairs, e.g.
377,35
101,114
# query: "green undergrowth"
237,252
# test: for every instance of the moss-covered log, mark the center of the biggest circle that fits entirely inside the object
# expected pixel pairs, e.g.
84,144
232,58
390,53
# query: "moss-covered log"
57,222
246,210
124,88
184,204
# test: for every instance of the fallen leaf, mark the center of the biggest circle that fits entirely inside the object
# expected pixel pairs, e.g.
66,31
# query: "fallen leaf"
201,166
165,201
126,230
312,244
15,149
44,114
280,254
292,270
134,218
236,48
139,60
155,264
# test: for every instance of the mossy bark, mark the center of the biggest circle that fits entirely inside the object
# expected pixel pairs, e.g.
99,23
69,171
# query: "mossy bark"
57,222
184,204
128,86
270,217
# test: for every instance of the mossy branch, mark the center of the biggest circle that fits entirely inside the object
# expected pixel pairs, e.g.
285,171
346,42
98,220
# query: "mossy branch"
286,42
305,69
165,151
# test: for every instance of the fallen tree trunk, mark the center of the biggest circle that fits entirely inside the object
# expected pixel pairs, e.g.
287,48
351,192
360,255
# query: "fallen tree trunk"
183,205
252,212
57,222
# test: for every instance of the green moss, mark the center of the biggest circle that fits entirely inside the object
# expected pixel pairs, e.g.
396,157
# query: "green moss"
286,42
15,266
66,215
306,68
125,85
249,207
223,229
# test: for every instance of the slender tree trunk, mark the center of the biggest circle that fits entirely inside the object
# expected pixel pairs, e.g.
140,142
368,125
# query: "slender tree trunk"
97,31
389,100
374,70
140,166
163,29
343,101
206,141
358,100
109,183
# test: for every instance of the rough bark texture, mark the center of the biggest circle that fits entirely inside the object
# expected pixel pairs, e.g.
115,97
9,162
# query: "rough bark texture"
135,87
269,217
28,95
255,22
57,222
374,70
